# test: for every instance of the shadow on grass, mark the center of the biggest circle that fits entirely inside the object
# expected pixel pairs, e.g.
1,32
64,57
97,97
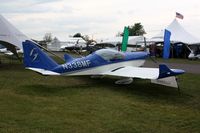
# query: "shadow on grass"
11,66
140,89
144,90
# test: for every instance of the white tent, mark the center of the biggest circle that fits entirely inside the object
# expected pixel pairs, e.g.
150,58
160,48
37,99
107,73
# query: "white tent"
136,40
10,36
132,40
178,34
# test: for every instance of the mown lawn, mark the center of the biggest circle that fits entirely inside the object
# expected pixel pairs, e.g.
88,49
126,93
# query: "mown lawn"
30,102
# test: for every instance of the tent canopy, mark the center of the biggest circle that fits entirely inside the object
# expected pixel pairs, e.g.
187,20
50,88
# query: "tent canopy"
178,34
132,40
10,36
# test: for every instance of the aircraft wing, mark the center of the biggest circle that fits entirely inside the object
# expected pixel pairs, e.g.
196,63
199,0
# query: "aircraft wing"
43,71
144,73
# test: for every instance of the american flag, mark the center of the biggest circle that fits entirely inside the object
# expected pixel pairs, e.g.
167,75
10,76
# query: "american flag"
178,15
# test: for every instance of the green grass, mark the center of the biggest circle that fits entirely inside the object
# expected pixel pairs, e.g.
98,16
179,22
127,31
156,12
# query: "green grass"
30,102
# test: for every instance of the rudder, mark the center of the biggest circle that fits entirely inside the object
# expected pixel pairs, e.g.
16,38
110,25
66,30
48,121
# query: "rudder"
68,58
34,57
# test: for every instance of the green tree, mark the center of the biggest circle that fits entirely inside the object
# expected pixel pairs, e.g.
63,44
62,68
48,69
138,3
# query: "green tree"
136,30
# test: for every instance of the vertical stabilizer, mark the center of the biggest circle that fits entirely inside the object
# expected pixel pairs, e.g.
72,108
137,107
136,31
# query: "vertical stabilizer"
34,57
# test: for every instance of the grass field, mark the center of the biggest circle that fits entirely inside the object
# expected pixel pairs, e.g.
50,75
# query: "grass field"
30,102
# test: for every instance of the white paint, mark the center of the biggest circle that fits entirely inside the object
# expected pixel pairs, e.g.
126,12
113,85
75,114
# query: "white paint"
169,81
135,72
106,68
42,71
77,64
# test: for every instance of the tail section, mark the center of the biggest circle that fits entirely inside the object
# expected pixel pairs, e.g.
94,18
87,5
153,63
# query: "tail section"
164,71
35,58
167,77
68,58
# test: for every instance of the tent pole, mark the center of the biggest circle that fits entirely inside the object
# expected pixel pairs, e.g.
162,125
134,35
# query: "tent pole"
145,44
172,50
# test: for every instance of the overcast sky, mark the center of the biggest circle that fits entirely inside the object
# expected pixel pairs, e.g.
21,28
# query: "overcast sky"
97,18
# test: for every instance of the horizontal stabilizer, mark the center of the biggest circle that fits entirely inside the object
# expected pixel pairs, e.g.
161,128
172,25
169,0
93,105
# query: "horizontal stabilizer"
164,71
68,58
169,81
43,72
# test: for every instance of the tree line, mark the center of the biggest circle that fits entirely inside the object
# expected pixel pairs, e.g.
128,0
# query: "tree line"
134,30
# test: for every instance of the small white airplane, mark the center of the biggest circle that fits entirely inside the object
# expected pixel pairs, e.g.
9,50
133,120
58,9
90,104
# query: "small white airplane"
73,44
7,52
3,50
104,62
192,56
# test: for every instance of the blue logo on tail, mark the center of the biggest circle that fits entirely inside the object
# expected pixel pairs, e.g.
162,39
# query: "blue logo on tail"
33,54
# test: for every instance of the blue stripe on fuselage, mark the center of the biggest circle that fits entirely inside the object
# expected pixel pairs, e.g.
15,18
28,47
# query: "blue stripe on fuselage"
135,55
94,60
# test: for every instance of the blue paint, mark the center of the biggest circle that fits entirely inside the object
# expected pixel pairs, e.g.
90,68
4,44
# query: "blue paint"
68,58
164,71
34,57
166,48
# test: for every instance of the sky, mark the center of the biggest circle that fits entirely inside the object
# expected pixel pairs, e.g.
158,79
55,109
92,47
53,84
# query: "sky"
97,18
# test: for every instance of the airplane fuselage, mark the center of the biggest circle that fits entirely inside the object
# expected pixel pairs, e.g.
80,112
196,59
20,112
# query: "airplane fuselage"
103,62
95,64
